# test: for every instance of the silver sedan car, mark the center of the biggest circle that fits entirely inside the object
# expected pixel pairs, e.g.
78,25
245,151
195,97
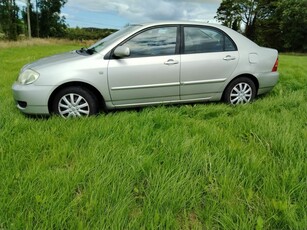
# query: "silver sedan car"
148,64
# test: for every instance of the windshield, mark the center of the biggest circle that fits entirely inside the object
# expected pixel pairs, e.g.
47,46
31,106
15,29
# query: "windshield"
98,46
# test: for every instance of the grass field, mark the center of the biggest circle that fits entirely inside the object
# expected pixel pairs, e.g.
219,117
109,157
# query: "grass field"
203,166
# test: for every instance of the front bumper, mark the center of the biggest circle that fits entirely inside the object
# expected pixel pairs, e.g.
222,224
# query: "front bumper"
32,99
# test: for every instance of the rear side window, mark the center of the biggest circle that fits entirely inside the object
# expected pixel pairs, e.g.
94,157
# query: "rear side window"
206,40
153,42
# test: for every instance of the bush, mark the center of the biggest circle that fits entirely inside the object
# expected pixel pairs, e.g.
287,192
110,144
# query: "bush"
87,33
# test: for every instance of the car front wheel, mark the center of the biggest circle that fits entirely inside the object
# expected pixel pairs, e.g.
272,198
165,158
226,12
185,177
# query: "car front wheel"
75,101
240,91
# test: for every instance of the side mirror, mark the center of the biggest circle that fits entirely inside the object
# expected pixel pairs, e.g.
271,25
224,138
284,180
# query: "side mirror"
122,51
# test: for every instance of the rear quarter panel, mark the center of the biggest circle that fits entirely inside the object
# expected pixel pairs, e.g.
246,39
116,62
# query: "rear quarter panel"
254,60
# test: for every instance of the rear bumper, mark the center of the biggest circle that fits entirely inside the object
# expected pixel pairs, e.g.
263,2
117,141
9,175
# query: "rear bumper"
32,99
267,81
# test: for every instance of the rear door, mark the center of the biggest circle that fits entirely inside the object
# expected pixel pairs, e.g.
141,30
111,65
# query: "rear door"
209,57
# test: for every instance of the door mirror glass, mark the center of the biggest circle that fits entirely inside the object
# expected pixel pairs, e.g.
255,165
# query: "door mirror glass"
122,51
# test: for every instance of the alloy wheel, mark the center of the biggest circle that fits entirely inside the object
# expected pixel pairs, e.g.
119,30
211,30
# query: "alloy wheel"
73,105
241,93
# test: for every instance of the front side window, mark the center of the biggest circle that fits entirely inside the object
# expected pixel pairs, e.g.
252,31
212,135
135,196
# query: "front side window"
153,42
205,40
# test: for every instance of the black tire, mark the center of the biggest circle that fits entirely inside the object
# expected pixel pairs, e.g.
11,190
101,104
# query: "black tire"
75,101
241,90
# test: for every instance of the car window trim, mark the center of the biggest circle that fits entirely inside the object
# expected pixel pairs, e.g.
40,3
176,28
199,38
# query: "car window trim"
110,54
208,27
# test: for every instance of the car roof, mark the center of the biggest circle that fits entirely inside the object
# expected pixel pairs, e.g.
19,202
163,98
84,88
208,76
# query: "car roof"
239,38
157,23
197,23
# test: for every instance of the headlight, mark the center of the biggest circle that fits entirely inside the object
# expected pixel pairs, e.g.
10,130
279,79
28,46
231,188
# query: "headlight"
27,77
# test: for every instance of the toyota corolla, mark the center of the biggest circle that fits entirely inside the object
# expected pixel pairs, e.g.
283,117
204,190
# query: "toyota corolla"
148,64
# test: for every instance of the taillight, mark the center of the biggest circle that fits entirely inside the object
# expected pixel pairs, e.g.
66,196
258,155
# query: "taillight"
275,66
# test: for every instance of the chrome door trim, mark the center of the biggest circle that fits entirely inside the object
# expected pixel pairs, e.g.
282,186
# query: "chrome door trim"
145,86
203,81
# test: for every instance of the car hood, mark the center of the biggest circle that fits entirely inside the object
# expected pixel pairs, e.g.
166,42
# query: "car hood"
53,60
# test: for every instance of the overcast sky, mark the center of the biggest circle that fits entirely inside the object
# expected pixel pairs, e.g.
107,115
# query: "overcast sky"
117,13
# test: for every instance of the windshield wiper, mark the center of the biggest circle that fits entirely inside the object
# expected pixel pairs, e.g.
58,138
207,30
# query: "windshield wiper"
91,51
87,51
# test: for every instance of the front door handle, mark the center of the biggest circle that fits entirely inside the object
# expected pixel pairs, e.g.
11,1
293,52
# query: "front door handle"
171,62
229,58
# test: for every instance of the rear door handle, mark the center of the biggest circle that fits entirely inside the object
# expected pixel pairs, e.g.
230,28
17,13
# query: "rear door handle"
229,58
171,62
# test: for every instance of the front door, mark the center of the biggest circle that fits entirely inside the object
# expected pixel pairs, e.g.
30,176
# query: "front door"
151,73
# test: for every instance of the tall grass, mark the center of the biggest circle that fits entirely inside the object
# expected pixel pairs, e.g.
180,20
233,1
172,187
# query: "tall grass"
199,166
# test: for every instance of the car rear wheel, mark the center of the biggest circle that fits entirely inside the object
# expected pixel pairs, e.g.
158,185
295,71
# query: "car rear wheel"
75,101
240,91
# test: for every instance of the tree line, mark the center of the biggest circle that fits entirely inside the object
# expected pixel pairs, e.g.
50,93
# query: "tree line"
281,24
45,21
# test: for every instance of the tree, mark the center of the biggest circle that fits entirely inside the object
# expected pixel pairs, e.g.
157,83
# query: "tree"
287,25
234,12
293,24
280,24
9,20
46,21
229,14
50,22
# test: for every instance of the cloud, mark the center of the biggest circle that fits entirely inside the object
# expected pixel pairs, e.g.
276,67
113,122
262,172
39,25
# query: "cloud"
149,10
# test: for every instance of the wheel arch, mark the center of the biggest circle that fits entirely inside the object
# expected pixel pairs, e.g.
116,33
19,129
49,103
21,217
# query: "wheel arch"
250,76
87,86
